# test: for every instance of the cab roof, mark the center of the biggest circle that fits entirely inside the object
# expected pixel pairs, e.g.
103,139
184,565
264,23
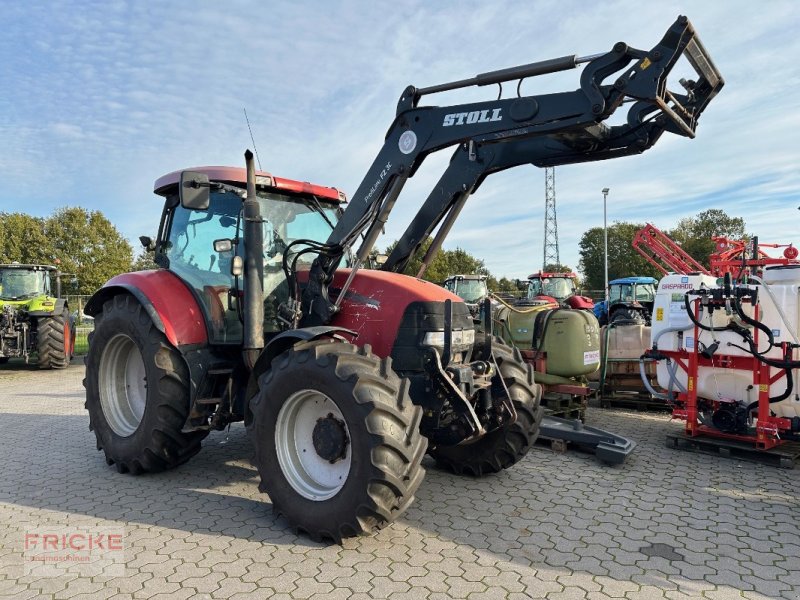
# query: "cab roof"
624,280
471,276
26,267
238,175
542,275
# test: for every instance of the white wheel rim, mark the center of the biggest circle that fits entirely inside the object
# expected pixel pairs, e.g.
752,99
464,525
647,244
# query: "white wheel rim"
310,475
122,385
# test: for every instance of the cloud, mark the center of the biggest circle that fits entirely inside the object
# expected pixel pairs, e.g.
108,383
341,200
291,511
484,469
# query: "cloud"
104,97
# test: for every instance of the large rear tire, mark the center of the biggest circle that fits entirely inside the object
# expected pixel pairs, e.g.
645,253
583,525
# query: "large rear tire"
628,316
137,391
54,341
506,446
337,439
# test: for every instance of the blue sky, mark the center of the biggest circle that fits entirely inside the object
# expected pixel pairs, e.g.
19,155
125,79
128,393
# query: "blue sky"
101,98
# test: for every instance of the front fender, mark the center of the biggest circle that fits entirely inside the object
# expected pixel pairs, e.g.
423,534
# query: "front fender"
282,342
166,299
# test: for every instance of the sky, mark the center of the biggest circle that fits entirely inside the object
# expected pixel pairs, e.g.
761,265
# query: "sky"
101,98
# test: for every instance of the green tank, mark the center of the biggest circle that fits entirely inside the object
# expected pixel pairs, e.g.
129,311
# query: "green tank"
569,338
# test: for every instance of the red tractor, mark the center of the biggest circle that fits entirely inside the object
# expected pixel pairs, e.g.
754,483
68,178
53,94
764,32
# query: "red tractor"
345,377
558,288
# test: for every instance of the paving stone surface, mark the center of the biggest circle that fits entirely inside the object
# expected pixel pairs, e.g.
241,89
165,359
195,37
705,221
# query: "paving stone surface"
667,524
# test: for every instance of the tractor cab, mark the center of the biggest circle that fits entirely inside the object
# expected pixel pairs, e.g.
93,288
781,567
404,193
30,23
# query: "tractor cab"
558,288
472,289
203,244
630,299
21,282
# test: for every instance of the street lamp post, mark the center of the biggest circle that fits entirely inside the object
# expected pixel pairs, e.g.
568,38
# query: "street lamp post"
605,244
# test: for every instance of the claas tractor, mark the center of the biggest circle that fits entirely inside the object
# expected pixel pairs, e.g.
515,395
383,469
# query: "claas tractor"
34,319
262,309
472,289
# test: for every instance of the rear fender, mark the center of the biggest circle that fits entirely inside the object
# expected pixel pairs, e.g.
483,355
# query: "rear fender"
166,299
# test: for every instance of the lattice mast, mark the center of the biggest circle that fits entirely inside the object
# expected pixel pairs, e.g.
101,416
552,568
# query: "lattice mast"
551,256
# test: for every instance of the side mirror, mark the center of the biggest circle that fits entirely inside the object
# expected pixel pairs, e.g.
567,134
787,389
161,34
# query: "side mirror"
223,245
147,243
194,190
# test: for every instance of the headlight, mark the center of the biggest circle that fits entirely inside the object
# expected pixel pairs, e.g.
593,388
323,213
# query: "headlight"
461,337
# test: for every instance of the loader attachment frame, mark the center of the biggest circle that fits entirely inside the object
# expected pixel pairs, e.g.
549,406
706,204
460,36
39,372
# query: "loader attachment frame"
544,130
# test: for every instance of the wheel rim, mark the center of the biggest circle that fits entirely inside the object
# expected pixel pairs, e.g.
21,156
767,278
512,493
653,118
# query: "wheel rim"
311,475
123,385
67,339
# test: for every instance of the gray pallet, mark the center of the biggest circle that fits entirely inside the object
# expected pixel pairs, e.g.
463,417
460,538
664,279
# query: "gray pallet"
784,456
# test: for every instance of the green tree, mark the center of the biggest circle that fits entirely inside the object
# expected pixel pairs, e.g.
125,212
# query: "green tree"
623,260
144,262
502,285
89,246
694,233
556,268
445,263
23,239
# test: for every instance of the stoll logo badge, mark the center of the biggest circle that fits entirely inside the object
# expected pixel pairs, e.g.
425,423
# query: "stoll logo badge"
87,551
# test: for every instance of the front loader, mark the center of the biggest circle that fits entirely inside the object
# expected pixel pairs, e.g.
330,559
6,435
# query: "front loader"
262,310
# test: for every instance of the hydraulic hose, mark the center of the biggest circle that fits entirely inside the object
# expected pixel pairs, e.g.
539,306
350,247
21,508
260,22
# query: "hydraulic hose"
737,305
783,396
646,382
654,342
690,312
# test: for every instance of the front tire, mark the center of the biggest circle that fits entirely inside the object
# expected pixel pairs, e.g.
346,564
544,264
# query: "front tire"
506,446
337,440
137,391
54,341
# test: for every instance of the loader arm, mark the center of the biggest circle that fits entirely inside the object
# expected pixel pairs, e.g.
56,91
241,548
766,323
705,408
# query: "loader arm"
544,130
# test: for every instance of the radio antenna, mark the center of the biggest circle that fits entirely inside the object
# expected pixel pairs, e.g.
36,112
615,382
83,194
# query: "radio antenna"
252,139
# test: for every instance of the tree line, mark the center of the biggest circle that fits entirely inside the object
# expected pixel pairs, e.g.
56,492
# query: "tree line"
84,244
692,233
91,248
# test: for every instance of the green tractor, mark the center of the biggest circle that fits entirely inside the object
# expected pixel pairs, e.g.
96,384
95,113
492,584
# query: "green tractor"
32,320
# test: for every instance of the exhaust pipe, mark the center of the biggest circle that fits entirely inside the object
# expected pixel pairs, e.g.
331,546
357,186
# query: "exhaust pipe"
253,270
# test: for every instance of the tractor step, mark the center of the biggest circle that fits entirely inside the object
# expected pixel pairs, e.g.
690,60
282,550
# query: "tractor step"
608,447
785,456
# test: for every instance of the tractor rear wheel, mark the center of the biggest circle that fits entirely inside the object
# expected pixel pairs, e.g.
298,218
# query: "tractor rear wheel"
506,446
54,341
337,441
628,316
137,391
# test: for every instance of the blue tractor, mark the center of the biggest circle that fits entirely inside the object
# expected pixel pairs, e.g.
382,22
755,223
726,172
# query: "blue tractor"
630,300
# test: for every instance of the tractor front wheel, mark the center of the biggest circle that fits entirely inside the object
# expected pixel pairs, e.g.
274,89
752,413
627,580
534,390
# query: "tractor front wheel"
54,341
507,445
337,439
137,391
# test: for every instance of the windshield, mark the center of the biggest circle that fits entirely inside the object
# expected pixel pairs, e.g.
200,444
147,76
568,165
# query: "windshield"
559,288
16,284
190,249
629,292
471,290
645,292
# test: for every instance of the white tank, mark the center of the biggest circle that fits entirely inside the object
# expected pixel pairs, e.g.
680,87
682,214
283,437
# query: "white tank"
723,383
